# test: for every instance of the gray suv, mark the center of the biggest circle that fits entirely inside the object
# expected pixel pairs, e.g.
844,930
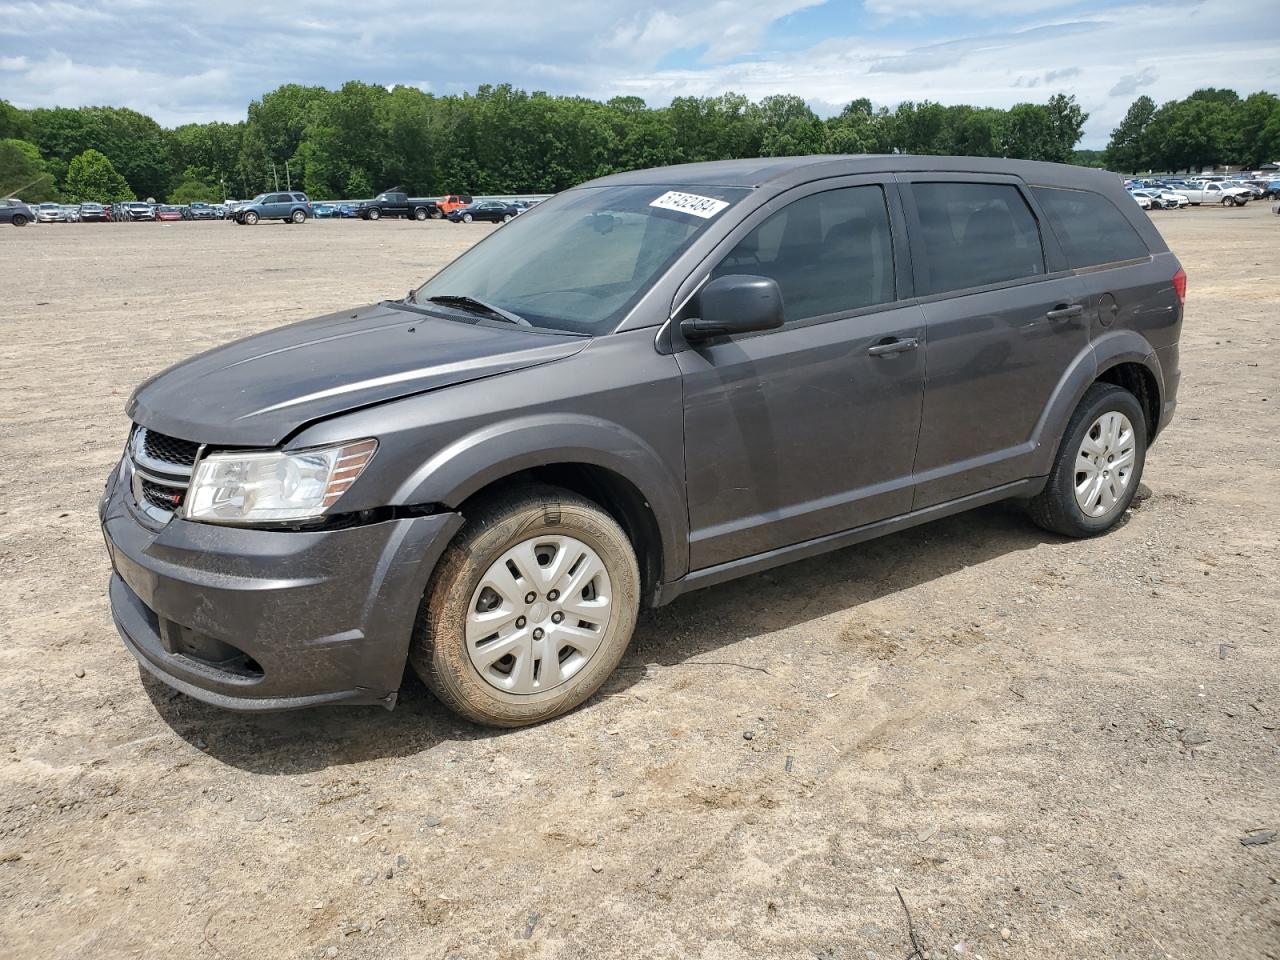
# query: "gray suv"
289,207
653,382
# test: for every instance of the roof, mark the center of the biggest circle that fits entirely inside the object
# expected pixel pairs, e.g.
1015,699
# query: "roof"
785,171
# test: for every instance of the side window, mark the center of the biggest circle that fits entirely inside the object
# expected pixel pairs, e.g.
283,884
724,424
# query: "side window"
829,252
1089,227
974,234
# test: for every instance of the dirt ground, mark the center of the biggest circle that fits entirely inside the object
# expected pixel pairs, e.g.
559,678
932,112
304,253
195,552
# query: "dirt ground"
1052,749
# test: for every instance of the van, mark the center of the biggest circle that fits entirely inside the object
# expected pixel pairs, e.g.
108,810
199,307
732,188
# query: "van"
662,380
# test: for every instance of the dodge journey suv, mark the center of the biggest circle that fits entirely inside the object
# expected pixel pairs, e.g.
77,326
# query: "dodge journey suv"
650,383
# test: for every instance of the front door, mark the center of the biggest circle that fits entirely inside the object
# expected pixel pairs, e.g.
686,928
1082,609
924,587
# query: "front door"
1004,322
810,429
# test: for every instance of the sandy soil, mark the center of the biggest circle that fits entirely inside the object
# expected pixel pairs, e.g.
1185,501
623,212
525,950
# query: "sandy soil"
1053,749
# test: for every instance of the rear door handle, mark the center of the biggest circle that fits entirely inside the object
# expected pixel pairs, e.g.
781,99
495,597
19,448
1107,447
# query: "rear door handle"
1065,312
891,347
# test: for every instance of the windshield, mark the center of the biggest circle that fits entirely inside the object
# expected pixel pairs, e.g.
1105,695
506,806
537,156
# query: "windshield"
587,256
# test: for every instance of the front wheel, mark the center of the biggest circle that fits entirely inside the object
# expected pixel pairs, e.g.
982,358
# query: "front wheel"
1098,467
530,610
375,214
19,220
506,218
251,218
437,214
1228,201
467,218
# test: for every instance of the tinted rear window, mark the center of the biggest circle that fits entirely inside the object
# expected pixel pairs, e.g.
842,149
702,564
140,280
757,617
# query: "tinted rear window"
1089,227
975,234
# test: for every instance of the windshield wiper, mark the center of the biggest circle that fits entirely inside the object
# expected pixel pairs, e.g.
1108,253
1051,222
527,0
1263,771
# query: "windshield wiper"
479,306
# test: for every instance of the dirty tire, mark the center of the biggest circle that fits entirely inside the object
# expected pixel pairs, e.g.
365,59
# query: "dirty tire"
19,220
1055,508
250,218
420,214
438,648
374,214
298,216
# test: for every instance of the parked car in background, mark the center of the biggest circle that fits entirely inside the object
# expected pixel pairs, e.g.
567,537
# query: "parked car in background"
493,211
1214,191
323,211
202,211
396,203
139,210
50,213
490,477
16,212
93,212
168,212
1141,199
290,207
454,201
1163,199
71,212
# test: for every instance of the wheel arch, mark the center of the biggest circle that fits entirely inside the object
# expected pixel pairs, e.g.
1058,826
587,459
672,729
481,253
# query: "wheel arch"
594,458
1122,357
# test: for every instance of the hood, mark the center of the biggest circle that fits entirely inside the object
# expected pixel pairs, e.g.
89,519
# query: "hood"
257,391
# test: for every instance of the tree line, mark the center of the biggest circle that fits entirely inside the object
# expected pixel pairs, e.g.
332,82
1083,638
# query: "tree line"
361,138
1212,127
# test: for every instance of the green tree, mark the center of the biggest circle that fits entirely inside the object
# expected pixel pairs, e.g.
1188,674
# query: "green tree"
91,177
14,123
24,174
1129,149
195,188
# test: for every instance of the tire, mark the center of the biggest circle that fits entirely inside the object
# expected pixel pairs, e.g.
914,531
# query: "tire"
439,650
506,218
467,218
19,220
298,216
437,214
1228,201
420,214
1056,508
375,214
250,218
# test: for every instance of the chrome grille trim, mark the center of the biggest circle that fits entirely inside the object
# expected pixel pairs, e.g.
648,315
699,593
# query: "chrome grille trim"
146,469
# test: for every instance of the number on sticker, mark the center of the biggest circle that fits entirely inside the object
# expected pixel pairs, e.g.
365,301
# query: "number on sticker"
691,203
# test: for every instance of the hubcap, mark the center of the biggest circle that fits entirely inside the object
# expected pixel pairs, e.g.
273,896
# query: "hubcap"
1104,464
538,615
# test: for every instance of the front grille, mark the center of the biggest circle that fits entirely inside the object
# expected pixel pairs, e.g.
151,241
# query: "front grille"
162,497
180,453
162,468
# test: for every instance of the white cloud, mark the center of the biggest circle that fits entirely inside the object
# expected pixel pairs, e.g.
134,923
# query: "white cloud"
182,60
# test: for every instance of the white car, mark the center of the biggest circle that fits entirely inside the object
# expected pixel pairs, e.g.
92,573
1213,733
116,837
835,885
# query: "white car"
1163,199
1214,191
1143,201
50,213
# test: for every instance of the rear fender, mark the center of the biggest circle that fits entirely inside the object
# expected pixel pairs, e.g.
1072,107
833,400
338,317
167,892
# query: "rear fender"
1109,350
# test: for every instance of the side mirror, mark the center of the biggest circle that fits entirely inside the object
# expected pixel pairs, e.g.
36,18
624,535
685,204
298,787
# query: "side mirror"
735,304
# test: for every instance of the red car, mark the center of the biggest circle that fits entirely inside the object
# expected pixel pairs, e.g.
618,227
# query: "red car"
169,213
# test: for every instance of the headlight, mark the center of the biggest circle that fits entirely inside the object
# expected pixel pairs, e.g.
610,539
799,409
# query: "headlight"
273,486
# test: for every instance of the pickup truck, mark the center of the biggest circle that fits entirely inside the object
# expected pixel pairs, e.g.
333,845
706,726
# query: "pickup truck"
1215,192
394,203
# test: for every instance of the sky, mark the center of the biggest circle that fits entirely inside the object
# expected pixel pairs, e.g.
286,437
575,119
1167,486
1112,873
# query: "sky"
198,60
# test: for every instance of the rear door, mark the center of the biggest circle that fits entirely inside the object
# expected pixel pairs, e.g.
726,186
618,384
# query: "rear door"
1004,317
807,430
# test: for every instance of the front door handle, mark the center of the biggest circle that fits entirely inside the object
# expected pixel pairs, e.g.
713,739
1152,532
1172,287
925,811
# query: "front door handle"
891,347
1065,312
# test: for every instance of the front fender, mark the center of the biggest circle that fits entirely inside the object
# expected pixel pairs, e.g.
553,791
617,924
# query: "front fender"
499,450
1107,351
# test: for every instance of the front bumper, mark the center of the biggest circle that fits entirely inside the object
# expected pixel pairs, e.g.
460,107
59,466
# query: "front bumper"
252,619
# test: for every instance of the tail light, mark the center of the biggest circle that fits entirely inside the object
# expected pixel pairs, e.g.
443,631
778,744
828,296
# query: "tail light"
1180,286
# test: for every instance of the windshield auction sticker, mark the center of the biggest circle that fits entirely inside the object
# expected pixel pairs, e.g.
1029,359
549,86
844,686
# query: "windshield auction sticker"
690,203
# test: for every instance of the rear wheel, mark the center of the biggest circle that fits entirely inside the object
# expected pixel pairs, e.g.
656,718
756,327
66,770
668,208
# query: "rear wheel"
530,610
298,216
506,218
1098,467
19,220
420,214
